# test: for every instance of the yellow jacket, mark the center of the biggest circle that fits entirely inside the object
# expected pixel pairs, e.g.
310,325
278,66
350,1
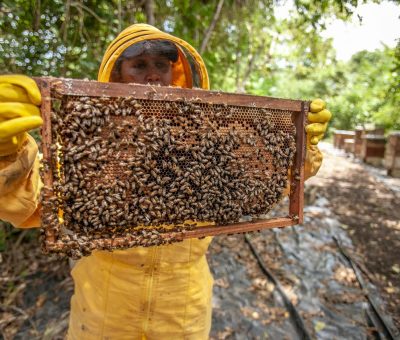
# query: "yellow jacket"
141,293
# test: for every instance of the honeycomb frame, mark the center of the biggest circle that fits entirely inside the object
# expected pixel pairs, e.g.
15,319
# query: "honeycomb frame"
226,112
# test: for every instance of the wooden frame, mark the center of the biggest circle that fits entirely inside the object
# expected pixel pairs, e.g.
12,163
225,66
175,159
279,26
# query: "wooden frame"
56,87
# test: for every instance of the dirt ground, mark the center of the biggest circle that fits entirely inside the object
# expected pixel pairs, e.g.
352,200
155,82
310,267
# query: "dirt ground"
367,203
35,290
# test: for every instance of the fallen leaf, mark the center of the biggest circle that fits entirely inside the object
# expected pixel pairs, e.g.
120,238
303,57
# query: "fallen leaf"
319,326
344,275
41,300
396,268
221,282
225,333
390,290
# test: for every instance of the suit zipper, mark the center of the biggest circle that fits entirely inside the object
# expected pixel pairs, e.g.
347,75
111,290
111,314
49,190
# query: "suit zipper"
149,292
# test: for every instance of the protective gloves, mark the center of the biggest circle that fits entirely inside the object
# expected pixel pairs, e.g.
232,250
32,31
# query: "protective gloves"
19,112
318,121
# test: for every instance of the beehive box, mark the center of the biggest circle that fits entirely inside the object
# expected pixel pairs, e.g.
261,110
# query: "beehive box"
392,154
348,145
373,149
339,136
358,141
360,132
134,165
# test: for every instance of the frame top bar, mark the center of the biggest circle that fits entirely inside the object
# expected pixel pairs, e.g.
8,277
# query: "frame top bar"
76,87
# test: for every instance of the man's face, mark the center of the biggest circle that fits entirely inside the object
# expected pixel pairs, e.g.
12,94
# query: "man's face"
147,69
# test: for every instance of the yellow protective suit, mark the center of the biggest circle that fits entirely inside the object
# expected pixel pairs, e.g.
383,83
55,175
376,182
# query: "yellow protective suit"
141,293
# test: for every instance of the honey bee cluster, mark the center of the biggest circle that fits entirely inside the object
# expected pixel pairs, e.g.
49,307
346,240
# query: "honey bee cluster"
121,165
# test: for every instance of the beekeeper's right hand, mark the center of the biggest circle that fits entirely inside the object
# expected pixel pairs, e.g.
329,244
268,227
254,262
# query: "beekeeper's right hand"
19,112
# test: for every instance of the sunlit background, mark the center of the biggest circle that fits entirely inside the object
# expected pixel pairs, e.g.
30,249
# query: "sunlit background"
346,52
342,51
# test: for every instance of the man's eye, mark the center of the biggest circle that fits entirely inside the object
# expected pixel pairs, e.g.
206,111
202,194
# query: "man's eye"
162,65
139,66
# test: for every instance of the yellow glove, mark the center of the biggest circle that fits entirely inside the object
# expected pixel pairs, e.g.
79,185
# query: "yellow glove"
19,112
318,121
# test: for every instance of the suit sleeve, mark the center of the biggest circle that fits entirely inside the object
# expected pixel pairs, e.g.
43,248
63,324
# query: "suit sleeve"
20,186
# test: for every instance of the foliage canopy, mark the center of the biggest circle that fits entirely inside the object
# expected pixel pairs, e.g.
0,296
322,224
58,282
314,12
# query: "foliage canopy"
246,46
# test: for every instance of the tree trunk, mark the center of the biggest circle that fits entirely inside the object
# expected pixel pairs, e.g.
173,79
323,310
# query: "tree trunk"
149,10
119,16
37,13
65,24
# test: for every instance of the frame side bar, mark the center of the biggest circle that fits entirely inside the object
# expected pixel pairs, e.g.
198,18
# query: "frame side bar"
47,190
297,177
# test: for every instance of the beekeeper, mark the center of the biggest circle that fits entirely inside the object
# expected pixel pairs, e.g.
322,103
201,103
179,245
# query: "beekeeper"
159,292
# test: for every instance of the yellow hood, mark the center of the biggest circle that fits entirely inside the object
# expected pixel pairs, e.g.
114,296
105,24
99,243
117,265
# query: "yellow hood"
183,74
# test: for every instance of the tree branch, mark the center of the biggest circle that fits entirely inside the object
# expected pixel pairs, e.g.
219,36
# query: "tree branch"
249,69
212,26
87,9
240,87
